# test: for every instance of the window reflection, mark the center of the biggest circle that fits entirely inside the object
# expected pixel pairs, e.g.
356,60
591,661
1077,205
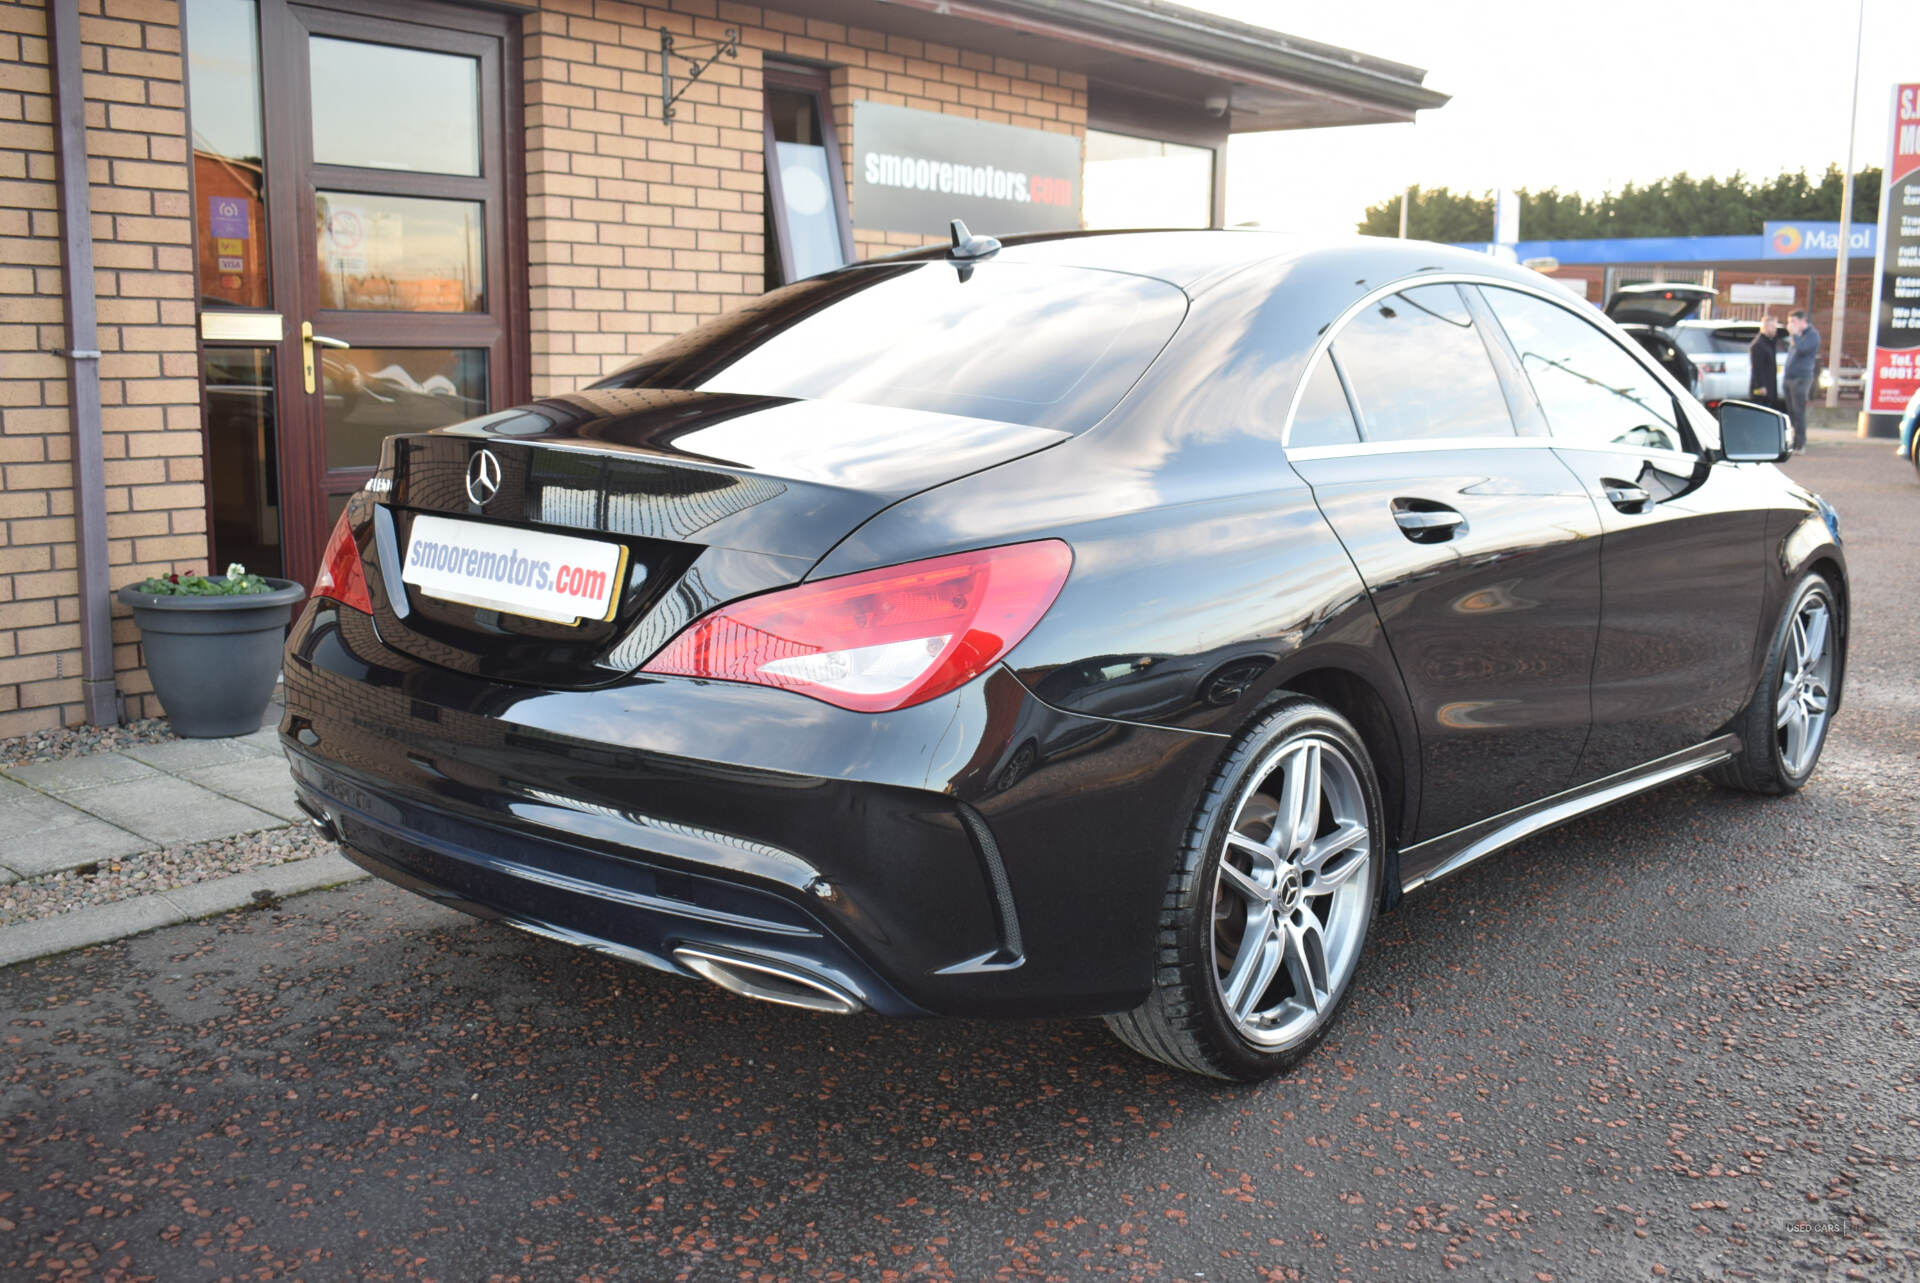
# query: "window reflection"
1046,347
1590,389
1323,416
229,176
399,253
382,107
1418,369
373,393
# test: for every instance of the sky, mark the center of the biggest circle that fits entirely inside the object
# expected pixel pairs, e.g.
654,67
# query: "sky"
1583,97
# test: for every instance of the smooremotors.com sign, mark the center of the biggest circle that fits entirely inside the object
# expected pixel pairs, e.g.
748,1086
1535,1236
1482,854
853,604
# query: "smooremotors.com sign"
915,171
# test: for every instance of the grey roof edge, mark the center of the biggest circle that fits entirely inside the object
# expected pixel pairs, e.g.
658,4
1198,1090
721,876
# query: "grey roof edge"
1308,64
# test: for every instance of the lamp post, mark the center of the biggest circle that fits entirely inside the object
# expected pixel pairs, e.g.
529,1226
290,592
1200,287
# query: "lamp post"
1838,328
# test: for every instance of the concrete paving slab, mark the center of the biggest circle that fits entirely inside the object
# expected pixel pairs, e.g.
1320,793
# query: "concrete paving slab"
223,895
44,835
178,757
11,792
266,739
263,783
170,810
80,772
83,927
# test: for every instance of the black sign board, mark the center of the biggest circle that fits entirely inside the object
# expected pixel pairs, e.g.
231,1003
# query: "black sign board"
915,171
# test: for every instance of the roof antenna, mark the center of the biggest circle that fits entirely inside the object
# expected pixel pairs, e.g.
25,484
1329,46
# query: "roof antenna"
967,245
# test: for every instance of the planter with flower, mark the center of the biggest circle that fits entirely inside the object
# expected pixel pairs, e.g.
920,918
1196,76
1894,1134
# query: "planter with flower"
213,645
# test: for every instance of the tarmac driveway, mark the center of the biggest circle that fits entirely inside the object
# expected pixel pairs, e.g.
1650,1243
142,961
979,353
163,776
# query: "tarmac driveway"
1674,1040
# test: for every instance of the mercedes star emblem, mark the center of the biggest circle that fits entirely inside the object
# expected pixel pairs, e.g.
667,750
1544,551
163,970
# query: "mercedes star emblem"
483,477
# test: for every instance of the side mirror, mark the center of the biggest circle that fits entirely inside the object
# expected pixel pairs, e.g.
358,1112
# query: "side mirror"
1752,433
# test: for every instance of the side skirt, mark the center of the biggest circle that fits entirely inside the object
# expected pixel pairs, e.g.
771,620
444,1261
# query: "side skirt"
1450,852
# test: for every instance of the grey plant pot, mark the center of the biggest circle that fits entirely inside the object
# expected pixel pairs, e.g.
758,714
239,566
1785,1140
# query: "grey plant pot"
213,660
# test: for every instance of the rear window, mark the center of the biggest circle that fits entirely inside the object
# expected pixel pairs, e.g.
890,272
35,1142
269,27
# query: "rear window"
1048,347
1702,340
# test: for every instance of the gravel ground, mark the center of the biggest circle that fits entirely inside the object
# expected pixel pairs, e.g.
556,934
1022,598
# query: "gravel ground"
149,871
79,741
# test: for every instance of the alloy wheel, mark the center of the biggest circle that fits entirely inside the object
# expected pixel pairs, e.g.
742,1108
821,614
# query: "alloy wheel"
1290,900
1800,707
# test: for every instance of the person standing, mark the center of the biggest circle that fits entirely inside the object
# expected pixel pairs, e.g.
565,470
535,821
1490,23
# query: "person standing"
1763,362
1803,366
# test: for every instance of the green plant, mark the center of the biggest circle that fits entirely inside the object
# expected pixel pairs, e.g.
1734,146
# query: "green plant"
235,583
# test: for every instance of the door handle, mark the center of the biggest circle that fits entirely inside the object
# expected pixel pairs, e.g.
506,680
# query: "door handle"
308,341
1433,524
1626,496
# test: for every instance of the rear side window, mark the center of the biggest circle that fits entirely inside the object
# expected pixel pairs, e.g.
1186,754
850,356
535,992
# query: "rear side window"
1049,347
1323,416
1418,369
1592,391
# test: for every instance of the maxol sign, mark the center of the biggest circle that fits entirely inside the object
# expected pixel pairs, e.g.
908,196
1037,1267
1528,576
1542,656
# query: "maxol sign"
914,171
1816,240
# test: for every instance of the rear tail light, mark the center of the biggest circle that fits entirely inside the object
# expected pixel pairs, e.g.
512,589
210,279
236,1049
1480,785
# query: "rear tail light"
1713,367
340,576
881,639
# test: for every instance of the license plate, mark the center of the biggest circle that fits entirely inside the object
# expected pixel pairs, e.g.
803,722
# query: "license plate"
518,572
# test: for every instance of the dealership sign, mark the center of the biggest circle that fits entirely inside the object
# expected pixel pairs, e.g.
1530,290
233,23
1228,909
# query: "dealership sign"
1815,240
1893,360
916,171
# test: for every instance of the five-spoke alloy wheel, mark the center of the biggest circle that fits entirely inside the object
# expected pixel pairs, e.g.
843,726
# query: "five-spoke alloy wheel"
1785,726
1269,907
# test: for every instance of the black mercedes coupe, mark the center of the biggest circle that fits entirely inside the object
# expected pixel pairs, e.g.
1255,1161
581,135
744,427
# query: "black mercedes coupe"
1105,624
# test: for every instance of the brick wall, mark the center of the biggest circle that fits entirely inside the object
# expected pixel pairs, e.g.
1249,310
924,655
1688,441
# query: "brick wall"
136,145
639,229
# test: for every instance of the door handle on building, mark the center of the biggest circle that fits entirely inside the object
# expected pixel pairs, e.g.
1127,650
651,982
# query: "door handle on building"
308,341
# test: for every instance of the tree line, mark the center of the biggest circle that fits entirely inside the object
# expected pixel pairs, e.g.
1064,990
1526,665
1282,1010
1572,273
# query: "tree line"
1678,206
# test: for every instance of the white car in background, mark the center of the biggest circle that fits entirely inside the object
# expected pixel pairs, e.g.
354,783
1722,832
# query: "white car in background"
1718,350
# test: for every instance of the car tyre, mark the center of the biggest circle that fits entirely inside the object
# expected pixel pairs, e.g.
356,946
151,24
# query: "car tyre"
1270,903
1784,726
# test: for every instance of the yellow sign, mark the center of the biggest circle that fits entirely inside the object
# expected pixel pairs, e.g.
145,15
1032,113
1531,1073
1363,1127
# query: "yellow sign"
229,248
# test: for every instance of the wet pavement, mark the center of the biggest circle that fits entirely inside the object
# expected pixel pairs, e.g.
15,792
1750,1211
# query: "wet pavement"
1676,1040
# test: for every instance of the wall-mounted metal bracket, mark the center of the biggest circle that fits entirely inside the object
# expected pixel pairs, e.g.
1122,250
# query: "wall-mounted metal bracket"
670,49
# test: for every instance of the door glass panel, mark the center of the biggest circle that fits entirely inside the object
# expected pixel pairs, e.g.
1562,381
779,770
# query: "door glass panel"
372,393
1323,416
243,480
1591,390
399,253
229,175
382,107
1418,370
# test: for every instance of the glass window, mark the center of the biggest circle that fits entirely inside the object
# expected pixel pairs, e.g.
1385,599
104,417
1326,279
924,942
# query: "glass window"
243,477
229,176
1144,182
1590,389
371,393
383,107
399,253
803,219
1323,416
1418,369
1052,347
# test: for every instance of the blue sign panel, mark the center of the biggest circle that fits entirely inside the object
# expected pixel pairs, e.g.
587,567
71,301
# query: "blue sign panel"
1816,240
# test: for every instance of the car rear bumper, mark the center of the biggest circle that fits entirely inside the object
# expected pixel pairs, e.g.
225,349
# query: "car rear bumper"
979,854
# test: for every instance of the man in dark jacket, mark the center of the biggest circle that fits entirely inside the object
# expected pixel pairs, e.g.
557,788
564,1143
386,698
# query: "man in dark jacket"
1763,360
1803,365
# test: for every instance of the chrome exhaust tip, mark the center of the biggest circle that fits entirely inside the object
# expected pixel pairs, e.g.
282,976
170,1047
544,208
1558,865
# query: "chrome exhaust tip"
320,820
768,981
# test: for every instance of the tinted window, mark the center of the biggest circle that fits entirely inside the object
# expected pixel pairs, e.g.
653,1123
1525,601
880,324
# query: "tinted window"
1418,369
1591,390
1323,416
1051,347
